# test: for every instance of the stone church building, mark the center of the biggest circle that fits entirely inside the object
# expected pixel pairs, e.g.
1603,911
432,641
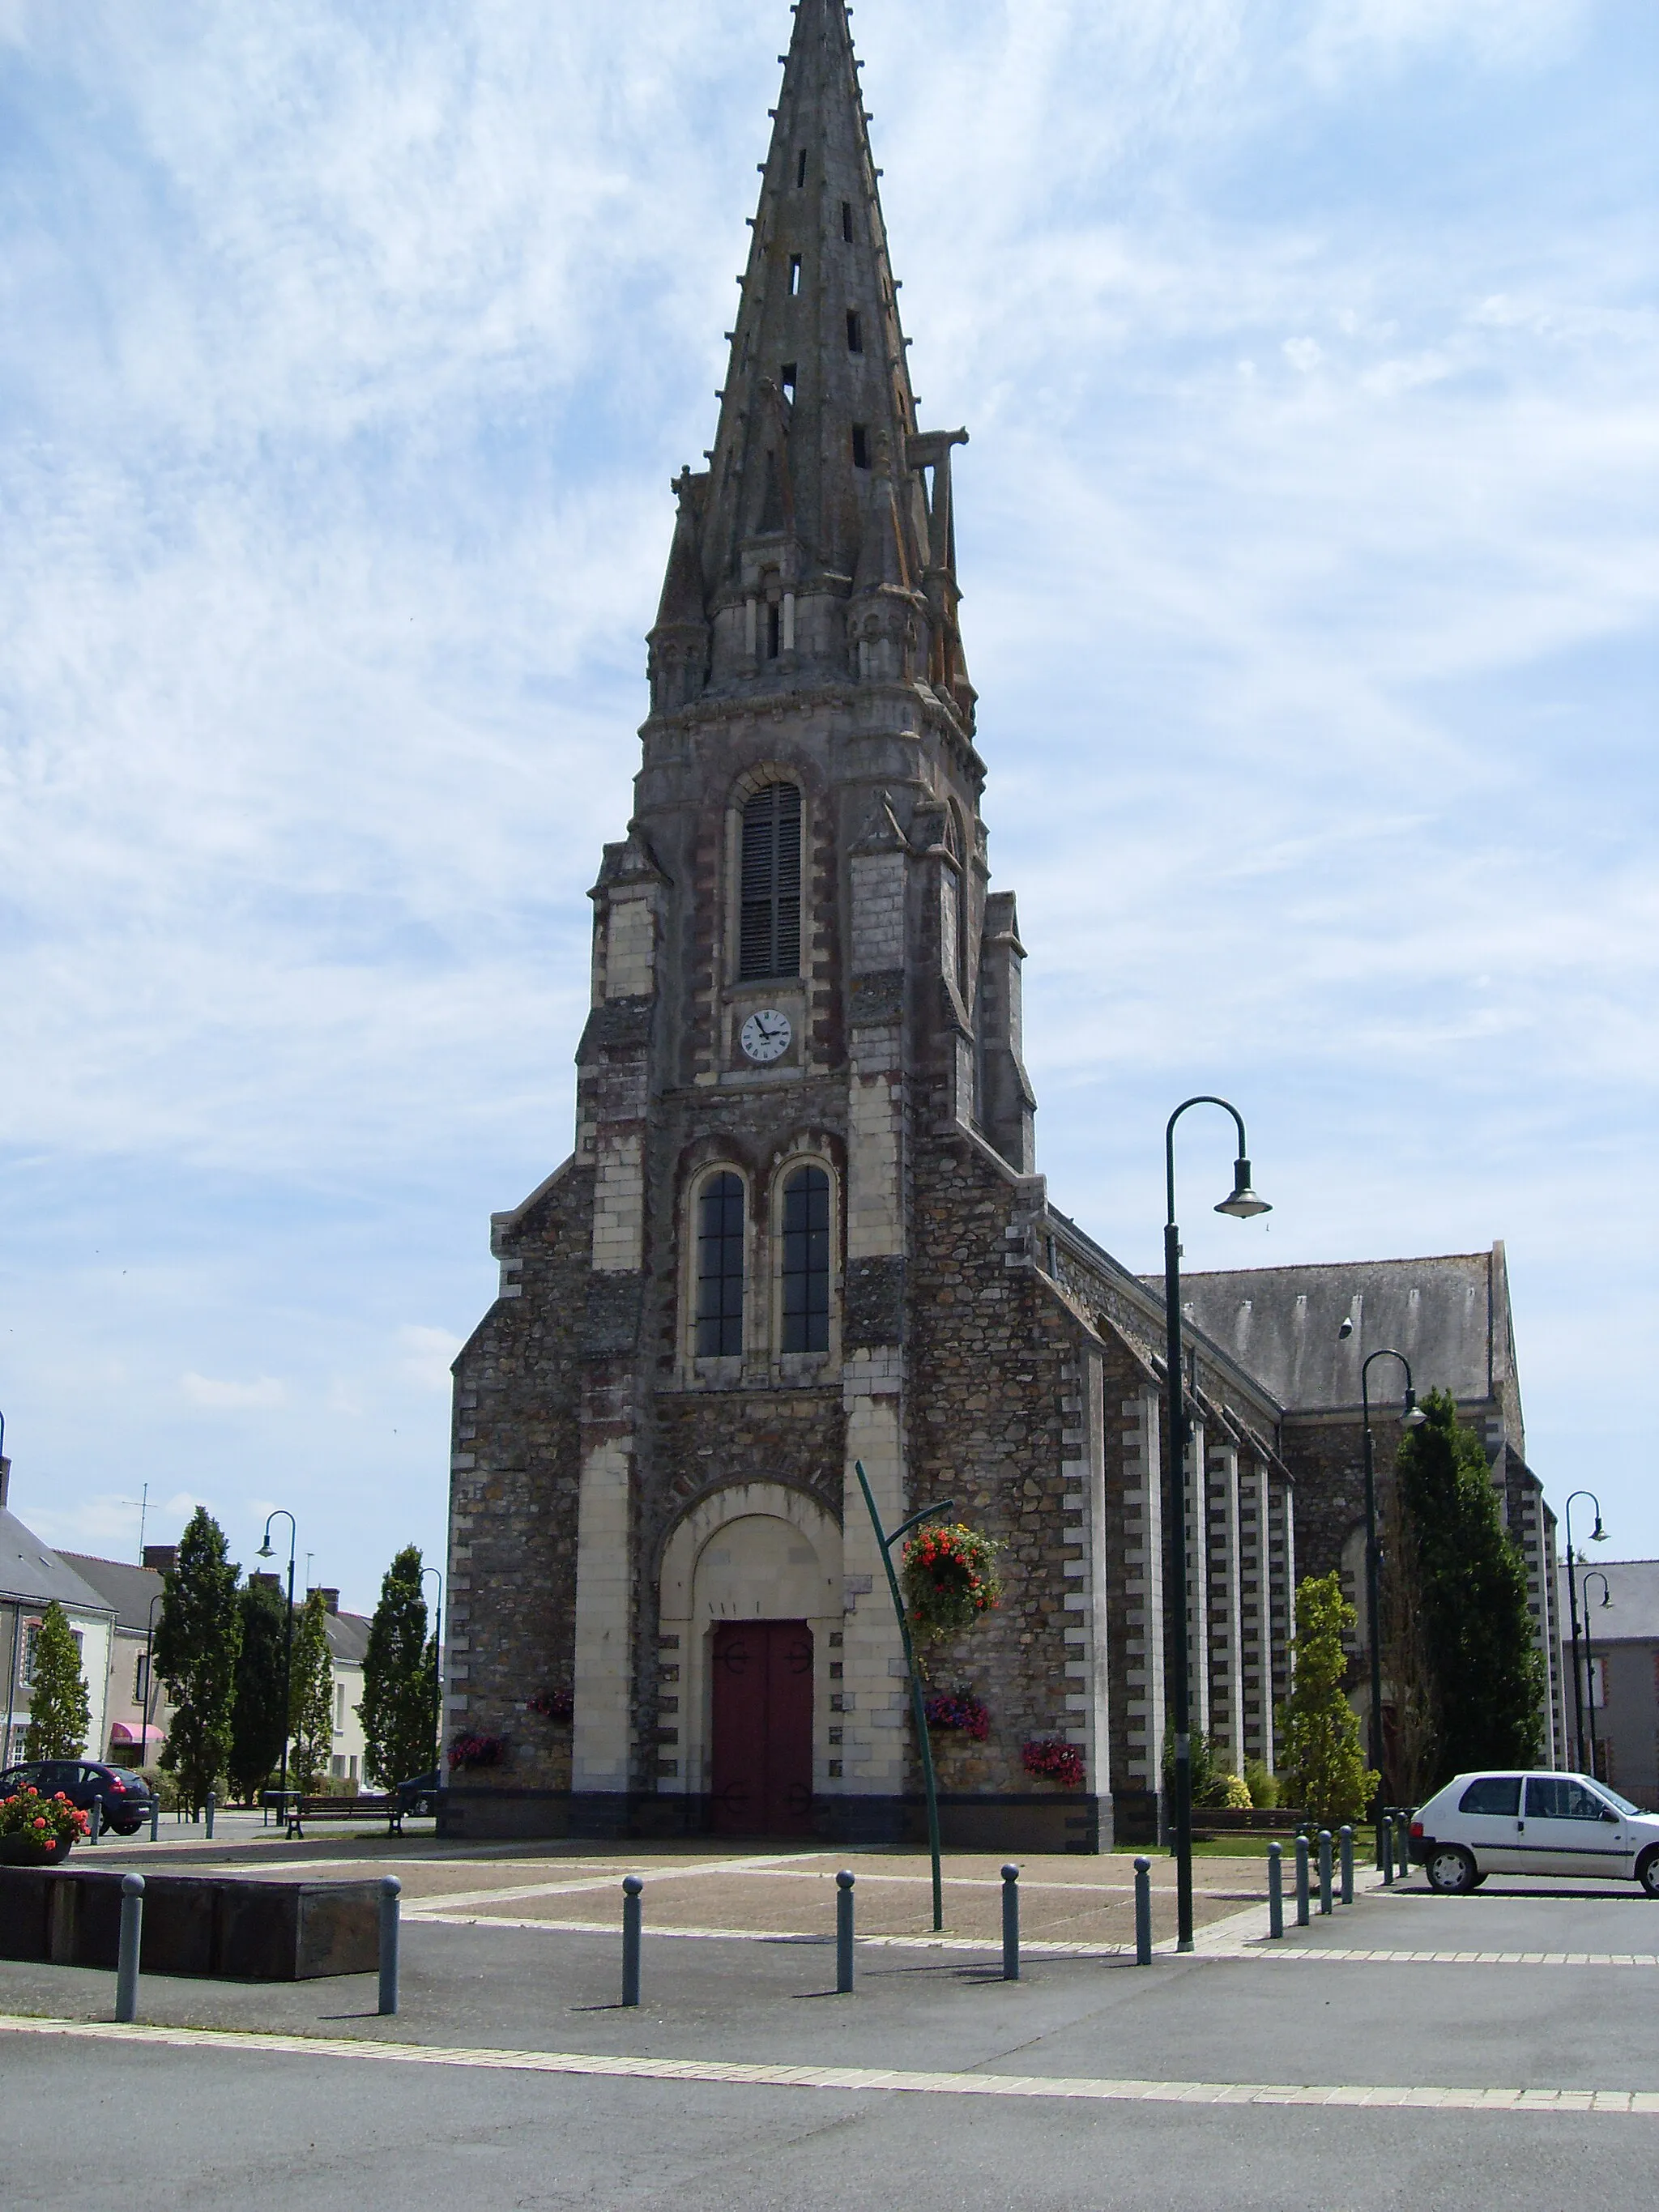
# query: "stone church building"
802,1225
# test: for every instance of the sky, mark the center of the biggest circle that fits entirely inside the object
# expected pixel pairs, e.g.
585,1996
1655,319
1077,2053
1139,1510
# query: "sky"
1309,354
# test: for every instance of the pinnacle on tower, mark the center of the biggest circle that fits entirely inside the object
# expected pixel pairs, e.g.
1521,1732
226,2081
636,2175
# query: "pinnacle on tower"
819,488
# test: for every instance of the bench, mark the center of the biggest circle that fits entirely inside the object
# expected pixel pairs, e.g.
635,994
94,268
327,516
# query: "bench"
293,1810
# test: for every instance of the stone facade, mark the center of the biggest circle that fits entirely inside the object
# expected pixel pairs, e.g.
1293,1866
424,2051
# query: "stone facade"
660,1424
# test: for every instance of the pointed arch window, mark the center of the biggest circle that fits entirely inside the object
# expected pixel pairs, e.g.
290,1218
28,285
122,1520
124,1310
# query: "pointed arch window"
768,930
806,1260
720,1267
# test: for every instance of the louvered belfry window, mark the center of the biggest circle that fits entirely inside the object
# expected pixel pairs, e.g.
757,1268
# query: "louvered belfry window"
806,1260
720,1267
769,924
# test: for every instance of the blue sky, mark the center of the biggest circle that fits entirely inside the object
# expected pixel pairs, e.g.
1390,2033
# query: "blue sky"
1308,531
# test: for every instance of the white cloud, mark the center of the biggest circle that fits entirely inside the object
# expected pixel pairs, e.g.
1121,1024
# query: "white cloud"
428,1355
203,1390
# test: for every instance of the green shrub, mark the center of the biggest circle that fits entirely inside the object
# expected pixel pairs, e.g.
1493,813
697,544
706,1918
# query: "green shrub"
1262,1783
1229,1791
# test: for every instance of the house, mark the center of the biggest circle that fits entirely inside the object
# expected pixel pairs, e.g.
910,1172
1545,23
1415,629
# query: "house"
31,1575
1617,1704
136,1712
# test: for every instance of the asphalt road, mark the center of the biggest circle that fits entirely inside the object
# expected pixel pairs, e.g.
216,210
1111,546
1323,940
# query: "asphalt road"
208,2124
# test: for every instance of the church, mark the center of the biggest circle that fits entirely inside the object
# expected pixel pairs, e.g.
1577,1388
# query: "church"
802,1228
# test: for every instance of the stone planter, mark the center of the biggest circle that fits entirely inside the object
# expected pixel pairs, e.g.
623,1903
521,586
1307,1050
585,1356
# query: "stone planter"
28,1850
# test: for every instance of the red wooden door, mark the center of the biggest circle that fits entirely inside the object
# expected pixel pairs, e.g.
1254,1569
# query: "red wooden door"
762,1763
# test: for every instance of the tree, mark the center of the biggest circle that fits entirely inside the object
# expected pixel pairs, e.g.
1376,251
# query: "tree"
1487,1671
257,1714
398,1711
59,1711
1408,1681
1319,1760
311,1706
198,1636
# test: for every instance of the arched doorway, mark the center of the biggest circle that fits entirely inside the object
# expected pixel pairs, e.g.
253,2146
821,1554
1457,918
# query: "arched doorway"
750,1613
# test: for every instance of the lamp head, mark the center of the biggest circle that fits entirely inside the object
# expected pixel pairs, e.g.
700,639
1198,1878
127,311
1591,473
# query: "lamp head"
265,1551
1347,1330
1414,1416
1244,1203
1598,1533
1606,1595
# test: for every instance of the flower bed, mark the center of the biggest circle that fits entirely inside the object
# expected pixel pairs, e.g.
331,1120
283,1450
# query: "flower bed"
949,1579
961,1712
38,1829
1054,1759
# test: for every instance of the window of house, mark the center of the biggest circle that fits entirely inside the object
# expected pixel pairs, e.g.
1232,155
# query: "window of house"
339,1706
787,378
138,1682
768,930
846,221
773,628
861,445
31,1642
806,1260
800,170
720,1267
854,330
794,275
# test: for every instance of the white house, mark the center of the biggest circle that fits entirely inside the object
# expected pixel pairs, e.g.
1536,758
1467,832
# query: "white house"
31,1575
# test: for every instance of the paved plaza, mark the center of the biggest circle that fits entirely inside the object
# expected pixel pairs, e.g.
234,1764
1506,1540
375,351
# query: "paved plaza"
1408,2050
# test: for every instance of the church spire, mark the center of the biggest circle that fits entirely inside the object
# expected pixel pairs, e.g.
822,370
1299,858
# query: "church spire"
817,392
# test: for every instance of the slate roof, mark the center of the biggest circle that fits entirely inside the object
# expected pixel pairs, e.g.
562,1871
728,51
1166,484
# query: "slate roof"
33,1572
1448,1315
348,1636
129,1589
1633,1615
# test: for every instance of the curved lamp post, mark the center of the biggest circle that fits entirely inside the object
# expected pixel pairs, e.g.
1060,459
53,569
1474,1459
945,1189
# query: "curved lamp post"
266,1552
1595,1575
1598,1535
149,1672
1242,1204
1413,1417
438,1673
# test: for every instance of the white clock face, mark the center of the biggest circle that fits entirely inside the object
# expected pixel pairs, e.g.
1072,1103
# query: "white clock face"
765,1036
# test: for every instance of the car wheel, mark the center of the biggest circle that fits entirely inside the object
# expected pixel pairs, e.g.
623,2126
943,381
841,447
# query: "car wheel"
1647,1872
126,1828
1452,1870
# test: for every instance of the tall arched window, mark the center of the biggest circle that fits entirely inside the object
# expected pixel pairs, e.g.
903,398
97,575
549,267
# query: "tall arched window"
806,1260
769,935
720,1267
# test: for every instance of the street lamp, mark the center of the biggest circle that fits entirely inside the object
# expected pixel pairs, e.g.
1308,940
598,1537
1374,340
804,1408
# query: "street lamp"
266,1552
1242,1204
1598,1535
1595,1575
437,1670
149,1672
1412,1417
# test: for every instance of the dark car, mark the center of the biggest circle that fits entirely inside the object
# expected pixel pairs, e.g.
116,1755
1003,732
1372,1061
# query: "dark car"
124,1798
418,1796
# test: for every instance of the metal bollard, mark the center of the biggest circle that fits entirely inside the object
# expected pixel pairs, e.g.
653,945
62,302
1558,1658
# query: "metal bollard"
1275,1889
1010,1923
1302,1880
209,1809
1143,1912
843,1938
1385,1851
131,1942
1347,1863
1324,1871
631,1910
155,1816
1403,1848
391,1889
94,1819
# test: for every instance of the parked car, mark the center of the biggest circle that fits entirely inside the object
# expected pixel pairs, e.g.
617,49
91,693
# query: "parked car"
418,1796
1549,1823
125,1798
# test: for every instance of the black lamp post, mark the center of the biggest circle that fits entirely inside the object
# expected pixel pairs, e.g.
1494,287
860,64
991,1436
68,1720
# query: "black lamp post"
1413,1417
1598,1535
266,1552
149,1672
438,1671
1242,1204
1595,1575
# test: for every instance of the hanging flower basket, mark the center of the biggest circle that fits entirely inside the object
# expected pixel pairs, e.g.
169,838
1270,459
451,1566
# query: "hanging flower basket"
557,1706
470,1751
1054,1759
949,1578
961,1712
37,1831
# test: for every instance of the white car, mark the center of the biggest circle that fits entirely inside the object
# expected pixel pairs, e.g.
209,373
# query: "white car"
1554,1824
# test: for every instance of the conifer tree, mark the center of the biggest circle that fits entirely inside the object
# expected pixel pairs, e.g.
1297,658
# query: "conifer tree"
1319,1760
1487,1671
311,1706
257,1714
198,1636
399,1711
60,1712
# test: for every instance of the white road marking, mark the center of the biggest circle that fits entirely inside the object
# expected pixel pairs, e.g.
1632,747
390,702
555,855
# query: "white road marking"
857,2081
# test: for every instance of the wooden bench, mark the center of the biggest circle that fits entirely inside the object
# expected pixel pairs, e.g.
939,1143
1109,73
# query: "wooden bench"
293,1810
